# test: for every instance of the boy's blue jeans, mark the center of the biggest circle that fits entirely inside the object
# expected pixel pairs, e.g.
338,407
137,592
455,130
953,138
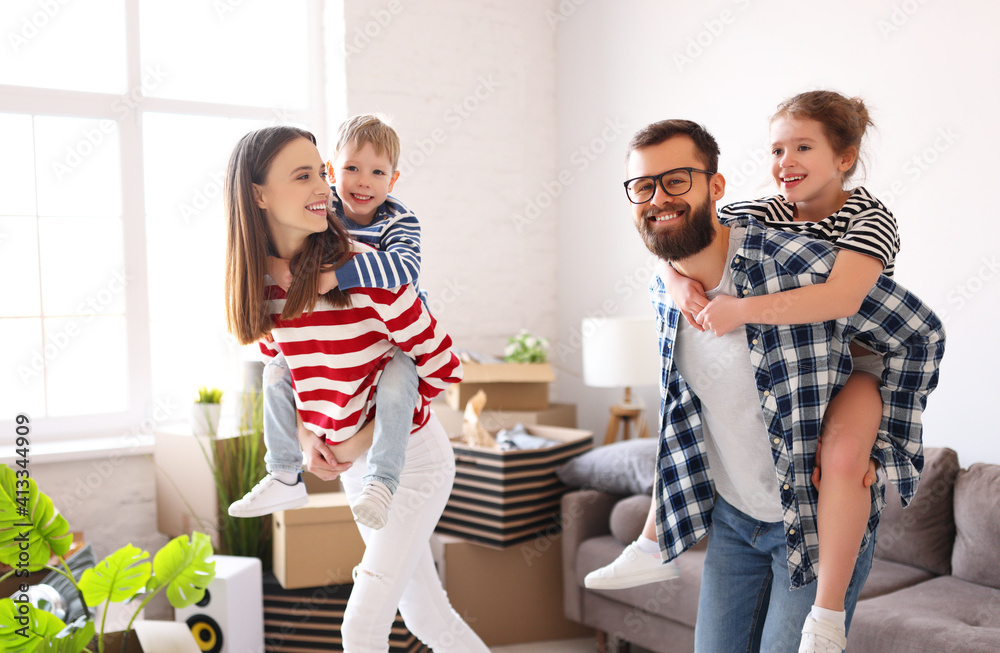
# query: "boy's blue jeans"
396,399
745,603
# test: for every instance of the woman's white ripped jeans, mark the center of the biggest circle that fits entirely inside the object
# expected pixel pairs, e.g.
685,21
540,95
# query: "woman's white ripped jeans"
397,568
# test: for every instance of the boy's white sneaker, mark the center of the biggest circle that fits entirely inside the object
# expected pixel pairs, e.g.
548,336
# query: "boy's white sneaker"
822,636
372,508
270,495
630,569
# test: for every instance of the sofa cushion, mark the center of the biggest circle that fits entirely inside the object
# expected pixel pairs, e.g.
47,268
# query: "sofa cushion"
629,516
673,599
886,577
977,521
922,535
942,614
619,468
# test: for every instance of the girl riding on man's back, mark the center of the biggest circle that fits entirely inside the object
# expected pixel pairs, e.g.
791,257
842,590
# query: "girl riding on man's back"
815,147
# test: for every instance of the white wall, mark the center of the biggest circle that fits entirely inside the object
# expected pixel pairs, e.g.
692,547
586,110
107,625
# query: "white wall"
471,89
929,72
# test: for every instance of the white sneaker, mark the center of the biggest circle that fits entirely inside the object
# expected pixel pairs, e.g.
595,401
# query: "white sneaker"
269,496
372,507
822,636
630,569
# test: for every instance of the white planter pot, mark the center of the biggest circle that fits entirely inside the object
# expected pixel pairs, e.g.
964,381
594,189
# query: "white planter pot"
205,418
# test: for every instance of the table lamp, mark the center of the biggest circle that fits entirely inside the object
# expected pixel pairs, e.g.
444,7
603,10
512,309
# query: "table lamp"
621,352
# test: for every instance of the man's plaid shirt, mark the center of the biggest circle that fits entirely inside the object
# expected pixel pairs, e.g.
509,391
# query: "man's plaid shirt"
797,369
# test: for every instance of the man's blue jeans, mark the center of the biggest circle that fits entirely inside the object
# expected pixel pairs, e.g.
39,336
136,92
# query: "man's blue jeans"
745,603
396,399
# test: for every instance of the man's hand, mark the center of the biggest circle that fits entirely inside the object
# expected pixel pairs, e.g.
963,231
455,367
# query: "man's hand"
870,476
721,315
278,270
319,458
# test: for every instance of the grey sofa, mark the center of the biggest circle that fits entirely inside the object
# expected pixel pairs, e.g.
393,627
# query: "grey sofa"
934,584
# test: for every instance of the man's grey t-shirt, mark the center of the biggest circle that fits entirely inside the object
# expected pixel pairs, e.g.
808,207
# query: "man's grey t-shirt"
718,371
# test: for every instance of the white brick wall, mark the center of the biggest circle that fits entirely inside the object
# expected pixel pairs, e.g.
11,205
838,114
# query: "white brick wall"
471,89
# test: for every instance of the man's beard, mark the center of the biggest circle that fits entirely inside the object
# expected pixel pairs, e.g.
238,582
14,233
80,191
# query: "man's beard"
693,236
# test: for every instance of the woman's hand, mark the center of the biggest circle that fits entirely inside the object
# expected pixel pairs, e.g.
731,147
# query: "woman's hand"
320,459
280,273
721,315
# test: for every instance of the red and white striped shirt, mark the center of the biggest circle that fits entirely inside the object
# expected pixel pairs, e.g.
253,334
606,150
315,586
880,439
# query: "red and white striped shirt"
336,355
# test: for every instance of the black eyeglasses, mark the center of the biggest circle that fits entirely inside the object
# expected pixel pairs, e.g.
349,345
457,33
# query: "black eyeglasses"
673,182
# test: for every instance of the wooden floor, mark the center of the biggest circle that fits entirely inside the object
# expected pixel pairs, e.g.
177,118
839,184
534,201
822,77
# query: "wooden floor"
562,646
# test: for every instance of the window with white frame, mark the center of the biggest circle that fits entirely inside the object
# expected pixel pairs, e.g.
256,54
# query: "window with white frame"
117,118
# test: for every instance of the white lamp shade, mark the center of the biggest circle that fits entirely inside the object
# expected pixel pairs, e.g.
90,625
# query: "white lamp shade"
620,352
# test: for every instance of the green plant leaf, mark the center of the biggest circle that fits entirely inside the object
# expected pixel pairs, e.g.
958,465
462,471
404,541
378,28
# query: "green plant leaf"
118,577
25,631
183,566
47,531
69,640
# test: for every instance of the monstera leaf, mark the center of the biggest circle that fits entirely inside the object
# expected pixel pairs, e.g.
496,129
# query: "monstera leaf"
183,566
117,578
29,635
31,529
69,640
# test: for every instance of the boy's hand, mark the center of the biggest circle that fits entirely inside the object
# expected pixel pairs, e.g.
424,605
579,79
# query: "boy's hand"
327,281
721,315
278,270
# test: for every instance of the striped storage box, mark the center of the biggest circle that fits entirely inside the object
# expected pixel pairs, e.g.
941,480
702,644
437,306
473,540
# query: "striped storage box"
308,619
503,498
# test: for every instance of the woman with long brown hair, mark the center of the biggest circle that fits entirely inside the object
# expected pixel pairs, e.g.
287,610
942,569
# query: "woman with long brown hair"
336,347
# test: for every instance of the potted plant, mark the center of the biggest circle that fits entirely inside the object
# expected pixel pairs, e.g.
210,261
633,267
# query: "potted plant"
206,411
526,348
32,531
237,464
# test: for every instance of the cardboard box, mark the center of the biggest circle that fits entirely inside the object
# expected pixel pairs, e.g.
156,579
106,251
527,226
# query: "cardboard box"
494,420
309,619
155,637
186,496
502,498
508,386
507,596
317,544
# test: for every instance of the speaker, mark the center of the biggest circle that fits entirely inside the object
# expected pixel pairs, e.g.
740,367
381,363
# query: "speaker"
230,618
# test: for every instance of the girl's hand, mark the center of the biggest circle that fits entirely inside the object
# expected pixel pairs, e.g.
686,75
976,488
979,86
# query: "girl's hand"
687,293
721,315
327,281
870,476
278,270
319,457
